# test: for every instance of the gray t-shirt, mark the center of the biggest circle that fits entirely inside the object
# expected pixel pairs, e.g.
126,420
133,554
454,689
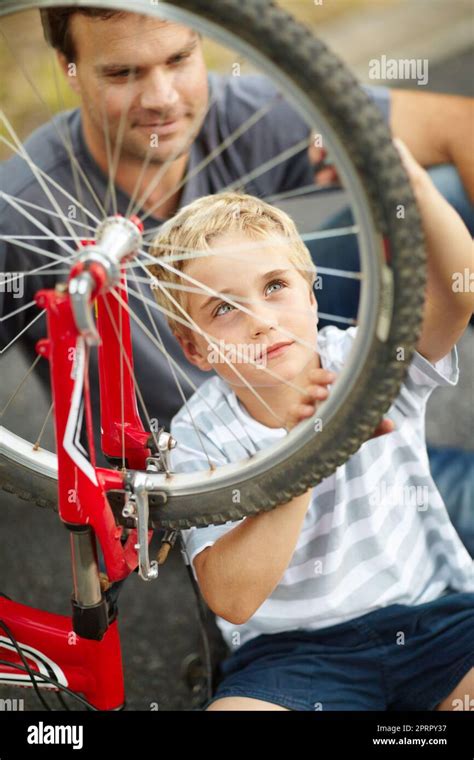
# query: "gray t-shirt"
235,99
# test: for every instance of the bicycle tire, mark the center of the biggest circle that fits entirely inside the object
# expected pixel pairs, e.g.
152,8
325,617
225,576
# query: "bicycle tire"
326,81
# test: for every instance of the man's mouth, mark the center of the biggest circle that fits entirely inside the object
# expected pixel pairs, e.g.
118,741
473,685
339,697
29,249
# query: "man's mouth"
160,127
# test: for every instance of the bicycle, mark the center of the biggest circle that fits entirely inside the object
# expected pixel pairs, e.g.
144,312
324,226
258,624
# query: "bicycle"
121,506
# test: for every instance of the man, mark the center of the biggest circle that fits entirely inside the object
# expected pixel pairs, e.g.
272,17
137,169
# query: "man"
150,110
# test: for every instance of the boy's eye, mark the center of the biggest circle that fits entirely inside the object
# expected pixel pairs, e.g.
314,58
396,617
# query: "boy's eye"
219,313
276,282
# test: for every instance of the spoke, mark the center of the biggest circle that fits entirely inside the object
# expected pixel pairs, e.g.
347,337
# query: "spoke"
33,237
50,112
170,359
9,199
17,311
119,140
38,440
213,292
217,151
175,377
267,165
2,351
340,273
110,194
20,385
334,318
122,394
334,232
189,289
51,180
130,369
39,179
44,266
187,322
49,212
191,323
152,281
313,188
41,271
188,254
22,244
153,184
179,369
67,142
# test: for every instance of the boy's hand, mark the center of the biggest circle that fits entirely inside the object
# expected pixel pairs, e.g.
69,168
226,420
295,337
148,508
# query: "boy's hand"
317,392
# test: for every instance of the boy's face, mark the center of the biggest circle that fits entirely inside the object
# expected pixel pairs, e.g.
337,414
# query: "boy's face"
279,298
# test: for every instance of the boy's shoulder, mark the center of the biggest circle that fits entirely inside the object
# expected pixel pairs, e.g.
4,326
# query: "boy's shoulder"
208,398
334,346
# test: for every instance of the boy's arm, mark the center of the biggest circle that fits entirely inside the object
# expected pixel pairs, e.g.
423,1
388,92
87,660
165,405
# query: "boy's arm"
449,300
243,567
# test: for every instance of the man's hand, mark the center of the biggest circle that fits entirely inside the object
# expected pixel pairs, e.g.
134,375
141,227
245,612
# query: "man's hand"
436,128
324,172
317,392
449,298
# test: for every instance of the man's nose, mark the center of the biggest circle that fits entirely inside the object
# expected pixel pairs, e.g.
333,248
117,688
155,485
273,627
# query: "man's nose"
158,91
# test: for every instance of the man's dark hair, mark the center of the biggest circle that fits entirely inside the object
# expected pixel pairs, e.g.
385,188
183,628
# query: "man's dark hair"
56,26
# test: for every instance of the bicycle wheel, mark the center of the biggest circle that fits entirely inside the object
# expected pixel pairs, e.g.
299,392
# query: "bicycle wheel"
324,92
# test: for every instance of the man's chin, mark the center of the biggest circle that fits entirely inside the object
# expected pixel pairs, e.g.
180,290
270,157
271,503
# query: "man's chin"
155,156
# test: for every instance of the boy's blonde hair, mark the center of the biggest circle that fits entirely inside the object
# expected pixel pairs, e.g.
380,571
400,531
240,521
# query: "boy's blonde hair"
195,226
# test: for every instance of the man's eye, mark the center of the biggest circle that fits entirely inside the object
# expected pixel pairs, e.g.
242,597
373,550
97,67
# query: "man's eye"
276,282
179,59
121,73
219,313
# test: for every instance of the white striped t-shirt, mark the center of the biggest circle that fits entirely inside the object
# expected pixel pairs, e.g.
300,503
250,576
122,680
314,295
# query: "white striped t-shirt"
376,532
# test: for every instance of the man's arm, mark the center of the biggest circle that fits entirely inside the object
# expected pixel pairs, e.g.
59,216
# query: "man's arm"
437,129
450,254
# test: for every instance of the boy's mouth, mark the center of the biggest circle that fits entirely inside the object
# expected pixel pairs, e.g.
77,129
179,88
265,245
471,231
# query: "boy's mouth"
276,349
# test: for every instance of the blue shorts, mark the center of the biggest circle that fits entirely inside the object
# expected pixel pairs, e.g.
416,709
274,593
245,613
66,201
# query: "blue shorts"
398,657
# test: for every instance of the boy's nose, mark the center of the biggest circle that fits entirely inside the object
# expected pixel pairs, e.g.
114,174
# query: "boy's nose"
262,320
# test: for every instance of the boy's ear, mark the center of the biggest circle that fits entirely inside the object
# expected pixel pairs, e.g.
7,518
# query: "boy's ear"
192,353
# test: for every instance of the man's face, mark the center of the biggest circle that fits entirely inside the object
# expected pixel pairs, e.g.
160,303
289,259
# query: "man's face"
266,282
142,78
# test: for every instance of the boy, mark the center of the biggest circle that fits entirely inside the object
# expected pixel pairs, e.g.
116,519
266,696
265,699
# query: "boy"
349,597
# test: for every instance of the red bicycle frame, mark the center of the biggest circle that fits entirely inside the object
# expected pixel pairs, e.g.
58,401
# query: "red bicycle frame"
83,652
